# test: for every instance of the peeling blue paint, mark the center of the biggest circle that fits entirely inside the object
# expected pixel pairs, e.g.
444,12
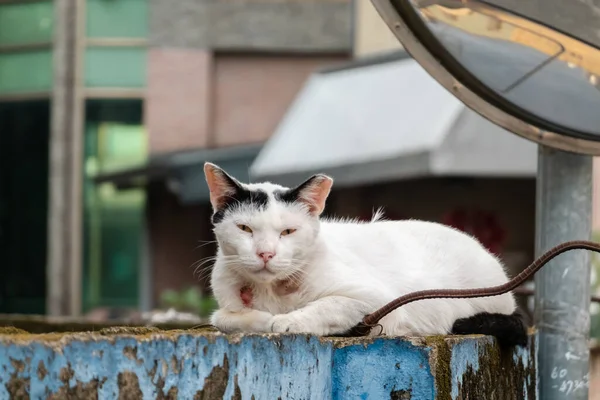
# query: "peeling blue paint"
464,354
266,367
480,361
375,370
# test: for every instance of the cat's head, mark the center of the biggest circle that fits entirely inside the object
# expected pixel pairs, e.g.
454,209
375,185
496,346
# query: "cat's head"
265,231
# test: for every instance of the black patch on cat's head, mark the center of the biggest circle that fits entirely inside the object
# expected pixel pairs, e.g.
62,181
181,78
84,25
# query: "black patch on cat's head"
292,195
286,196
312,193
257,198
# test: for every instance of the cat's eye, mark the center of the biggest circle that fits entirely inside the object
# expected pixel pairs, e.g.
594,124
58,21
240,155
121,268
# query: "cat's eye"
287,232
245,228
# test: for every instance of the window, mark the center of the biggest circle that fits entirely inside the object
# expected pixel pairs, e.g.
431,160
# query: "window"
24,134
114,219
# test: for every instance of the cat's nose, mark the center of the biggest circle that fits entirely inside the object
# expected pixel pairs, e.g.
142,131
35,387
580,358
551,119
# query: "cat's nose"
266,256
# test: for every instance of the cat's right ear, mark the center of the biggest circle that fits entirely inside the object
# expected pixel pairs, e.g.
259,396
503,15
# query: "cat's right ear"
313,193
220,184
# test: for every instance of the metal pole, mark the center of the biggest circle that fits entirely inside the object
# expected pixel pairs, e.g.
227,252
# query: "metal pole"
57,270
64,199
562,288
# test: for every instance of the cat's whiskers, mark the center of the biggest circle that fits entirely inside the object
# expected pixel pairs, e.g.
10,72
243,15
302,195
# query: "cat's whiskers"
241,265
205,243
295,275
198,264
205,273
203,261
208,257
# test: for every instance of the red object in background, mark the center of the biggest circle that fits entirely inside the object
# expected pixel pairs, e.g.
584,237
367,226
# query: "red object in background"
481,224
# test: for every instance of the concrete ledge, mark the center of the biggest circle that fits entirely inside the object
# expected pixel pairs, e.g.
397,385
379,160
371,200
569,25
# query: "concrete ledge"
46,324
132,363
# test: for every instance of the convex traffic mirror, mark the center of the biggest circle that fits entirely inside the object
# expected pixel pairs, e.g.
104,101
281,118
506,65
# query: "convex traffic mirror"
527,76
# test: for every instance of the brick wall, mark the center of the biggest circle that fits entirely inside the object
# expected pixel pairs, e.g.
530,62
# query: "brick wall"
203,93
252,93
199,99
177,109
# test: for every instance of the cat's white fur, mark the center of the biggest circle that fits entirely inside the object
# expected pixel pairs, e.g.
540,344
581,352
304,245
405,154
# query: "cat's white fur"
345,269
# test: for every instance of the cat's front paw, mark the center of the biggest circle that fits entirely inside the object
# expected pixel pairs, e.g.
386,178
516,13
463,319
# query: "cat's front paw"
289,323
247,320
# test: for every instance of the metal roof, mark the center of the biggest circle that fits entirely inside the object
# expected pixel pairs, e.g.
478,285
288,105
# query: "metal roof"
184,170
384,121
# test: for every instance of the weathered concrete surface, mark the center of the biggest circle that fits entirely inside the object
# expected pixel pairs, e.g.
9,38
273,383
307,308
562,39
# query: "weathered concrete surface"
46,324
208,365
257,25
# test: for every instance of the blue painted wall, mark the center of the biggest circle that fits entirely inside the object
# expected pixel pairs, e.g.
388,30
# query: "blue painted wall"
209,366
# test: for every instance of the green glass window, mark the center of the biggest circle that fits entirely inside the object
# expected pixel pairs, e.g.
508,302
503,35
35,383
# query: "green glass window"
115,67
122,18
25,71
27,22
113,219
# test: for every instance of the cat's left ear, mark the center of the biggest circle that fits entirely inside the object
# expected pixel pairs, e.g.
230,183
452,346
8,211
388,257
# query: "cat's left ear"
313,192
220,184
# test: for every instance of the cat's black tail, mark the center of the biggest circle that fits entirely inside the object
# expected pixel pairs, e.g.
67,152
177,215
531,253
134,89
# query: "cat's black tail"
509,330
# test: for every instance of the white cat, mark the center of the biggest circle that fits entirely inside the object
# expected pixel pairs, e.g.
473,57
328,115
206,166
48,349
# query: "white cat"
279,268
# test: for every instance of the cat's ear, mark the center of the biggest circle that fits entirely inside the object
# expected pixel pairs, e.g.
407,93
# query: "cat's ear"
313,192
220,184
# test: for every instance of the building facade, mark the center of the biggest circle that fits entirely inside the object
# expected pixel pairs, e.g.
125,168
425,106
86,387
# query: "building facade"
109,108
89,87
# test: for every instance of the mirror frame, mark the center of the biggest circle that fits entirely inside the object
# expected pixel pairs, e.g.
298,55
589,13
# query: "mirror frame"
468,89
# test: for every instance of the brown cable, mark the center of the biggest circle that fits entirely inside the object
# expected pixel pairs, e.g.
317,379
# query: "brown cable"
522,291
371,320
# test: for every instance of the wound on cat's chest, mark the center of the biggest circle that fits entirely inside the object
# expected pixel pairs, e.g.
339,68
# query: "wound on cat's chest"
246,296
281,288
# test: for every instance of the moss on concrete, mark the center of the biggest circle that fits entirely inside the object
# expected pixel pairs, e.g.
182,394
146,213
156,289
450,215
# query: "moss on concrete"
11,330
340,342
400,395
439,360
140,333
500,375
129,330
45,324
